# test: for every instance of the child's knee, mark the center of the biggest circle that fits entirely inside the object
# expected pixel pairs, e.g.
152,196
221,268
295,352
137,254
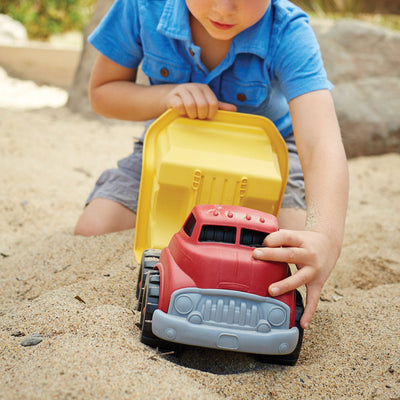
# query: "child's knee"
103,216
87,227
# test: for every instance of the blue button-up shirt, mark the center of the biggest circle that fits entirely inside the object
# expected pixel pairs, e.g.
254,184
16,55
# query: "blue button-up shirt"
267,65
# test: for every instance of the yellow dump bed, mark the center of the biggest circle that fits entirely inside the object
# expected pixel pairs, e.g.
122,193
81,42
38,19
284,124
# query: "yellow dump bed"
234,159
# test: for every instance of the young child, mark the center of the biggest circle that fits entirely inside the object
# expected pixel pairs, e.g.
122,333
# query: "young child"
253,56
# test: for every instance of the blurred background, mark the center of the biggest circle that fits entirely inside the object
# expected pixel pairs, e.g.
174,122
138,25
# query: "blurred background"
44,18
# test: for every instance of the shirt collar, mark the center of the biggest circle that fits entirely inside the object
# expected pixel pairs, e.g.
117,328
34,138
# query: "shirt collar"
172,20
254,39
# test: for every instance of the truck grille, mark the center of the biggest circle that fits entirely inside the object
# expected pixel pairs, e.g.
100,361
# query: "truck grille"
230,311
228,307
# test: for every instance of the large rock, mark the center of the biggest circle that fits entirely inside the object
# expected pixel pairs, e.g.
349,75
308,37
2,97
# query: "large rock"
362,60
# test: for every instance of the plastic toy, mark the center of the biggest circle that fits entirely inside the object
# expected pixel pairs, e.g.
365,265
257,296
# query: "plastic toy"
199,283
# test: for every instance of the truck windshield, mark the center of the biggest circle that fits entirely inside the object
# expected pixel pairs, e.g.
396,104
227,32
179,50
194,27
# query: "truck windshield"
189,226
251,238
219,234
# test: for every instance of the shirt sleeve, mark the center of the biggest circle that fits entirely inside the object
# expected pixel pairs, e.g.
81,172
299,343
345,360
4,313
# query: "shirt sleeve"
298,64
118,34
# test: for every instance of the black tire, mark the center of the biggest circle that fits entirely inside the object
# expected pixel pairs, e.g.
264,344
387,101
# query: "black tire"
288,359
150,304
149,260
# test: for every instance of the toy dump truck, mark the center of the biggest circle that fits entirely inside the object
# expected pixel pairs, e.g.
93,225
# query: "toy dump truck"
210,193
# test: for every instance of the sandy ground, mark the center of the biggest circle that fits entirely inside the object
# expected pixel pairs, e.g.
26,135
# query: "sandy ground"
78,293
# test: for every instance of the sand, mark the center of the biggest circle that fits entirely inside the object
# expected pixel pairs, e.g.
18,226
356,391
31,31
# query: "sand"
78,293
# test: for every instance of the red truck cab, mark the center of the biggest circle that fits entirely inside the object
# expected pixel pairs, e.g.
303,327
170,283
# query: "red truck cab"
210,291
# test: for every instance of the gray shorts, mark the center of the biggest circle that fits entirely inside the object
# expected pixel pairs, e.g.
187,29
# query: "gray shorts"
122,184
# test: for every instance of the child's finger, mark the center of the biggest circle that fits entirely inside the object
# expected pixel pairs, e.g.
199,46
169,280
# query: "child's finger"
284,237
226,106
176,102
211,105
189,103
300,278
293,255
312,300
198,101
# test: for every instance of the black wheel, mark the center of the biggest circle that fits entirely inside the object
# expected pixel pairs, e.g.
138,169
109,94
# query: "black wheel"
150,304
149,260
288,359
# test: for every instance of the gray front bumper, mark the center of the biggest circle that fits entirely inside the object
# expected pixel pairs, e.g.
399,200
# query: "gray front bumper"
179,330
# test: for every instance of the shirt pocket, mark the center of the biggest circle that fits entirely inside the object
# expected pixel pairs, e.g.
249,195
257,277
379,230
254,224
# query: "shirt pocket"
243,93
161,70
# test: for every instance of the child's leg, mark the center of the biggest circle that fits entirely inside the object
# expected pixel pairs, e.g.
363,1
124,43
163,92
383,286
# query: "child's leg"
113,201
104,216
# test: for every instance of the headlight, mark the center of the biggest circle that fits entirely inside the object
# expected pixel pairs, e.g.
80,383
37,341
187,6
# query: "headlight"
277,316
183,304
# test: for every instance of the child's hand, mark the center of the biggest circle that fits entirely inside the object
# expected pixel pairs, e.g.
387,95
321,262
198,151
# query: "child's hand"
314,255
196,100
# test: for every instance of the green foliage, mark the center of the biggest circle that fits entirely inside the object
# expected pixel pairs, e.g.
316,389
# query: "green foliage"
43,18
328,6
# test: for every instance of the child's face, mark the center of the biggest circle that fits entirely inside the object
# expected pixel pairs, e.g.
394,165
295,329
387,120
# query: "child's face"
224,19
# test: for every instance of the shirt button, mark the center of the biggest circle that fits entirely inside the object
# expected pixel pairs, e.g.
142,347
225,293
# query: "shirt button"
241,97
191,52
164,72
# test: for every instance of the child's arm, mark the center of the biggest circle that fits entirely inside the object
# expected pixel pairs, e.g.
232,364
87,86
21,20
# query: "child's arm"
113,93
316,249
